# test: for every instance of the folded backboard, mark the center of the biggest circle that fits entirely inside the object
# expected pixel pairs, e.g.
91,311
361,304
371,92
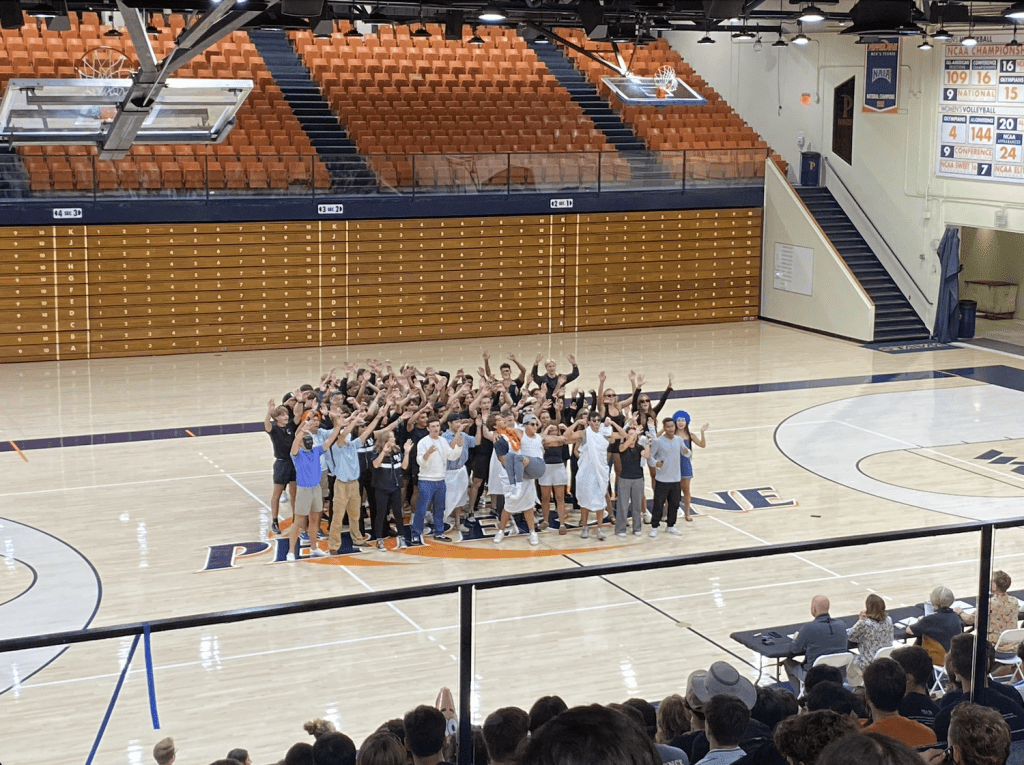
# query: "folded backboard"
82,111
635,90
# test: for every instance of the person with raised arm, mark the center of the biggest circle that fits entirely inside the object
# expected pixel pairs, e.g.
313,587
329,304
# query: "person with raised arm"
278,425
550,380
308,497
389,464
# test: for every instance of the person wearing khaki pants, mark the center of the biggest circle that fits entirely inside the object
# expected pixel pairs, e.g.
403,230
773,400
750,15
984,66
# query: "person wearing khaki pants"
343,464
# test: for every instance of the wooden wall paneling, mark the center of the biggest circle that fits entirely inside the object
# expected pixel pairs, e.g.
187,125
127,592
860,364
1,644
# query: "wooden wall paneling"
197,287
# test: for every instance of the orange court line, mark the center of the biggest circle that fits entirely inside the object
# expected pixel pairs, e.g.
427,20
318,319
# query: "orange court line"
19,451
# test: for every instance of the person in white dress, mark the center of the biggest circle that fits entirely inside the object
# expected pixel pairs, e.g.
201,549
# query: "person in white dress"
593,474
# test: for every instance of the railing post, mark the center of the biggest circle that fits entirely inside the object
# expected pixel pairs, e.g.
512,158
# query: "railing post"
682,181
465,674
980,668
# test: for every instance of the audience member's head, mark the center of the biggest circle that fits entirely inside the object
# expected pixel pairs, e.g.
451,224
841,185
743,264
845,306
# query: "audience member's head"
885,683
773,705
819,605
960,657
299,754
241,755
725,721
649,713
834,696
544,709
1000,582
226,761
874,608
164,751
978,735
334,749
916,663
821,674
318,727
672,718
424,730
591,735
632,713
941,597
721,679
868,749
382,748
504,730
395,726
802,738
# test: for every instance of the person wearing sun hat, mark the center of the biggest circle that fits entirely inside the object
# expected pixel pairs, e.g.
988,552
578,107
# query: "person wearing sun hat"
723,679
682,420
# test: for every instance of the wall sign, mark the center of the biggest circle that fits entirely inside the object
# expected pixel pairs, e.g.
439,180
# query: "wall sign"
882,76
794,268
981,111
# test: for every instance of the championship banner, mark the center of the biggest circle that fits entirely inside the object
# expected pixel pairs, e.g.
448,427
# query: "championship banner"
981,111
882,76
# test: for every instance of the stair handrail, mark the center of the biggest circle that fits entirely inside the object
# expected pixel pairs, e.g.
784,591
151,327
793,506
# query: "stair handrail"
873,226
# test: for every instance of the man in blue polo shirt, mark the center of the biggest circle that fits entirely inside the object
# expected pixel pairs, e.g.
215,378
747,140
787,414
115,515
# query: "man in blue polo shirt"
308,497
822,636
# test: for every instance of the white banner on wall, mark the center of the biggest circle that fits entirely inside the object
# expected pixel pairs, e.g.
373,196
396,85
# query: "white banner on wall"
981,111
794,268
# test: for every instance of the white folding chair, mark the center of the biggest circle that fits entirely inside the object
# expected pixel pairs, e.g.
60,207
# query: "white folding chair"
840,660
1011,659
884,652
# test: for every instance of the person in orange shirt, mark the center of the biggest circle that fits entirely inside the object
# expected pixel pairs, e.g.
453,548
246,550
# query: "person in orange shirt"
885,682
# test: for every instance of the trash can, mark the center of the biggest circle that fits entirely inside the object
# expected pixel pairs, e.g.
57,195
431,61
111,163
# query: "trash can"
968,316
810,168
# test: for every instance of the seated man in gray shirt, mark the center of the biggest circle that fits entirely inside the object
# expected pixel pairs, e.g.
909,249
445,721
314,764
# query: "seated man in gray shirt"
822,636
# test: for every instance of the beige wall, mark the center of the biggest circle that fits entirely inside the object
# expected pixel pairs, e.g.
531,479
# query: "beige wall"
988,254
837,304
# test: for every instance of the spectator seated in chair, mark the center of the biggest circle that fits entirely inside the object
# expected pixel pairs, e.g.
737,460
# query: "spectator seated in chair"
917,705
885,683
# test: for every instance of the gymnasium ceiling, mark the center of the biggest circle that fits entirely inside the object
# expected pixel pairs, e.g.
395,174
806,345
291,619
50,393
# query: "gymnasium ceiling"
602,19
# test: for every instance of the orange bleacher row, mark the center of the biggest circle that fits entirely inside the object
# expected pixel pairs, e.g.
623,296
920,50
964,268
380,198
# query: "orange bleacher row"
400,95
266,149
694,129
396,95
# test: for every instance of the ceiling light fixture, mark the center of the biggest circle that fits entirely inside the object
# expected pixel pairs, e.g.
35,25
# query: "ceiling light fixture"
421,33
780,43
1015,12
353,32
942,35
970,41
746,34
812,14
491,14
801,38
758,45
706,40
1013,43
925,45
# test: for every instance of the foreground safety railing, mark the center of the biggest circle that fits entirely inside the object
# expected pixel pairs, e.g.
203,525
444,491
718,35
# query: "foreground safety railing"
466,590
205,173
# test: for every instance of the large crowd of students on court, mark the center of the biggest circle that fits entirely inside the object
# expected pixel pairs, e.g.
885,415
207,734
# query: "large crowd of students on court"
896,714
371,443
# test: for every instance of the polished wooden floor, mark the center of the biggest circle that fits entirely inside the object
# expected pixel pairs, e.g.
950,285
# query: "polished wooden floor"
880,441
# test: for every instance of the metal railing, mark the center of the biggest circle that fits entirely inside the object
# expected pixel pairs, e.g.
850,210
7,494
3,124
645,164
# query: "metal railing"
875,229
467,588
204,177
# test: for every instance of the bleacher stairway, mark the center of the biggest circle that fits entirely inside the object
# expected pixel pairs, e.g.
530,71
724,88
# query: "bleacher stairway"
348,170
643,163
13,178
895,319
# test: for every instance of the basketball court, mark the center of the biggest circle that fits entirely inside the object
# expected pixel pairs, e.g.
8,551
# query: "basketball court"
811,437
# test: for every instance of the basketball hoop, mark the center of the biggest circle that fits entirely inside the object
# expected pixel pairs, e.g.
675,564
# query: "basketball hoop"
665,81
103,63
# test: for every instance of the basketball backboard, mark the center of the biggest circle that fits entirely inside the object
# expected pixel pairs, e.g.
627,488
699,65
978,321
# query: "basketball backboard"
83,111
635,90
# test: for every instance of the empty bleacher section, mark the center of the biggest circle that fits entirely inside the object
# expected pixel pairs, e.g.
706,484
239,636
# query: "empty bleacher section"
266,151
440,113
109,291
707,142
